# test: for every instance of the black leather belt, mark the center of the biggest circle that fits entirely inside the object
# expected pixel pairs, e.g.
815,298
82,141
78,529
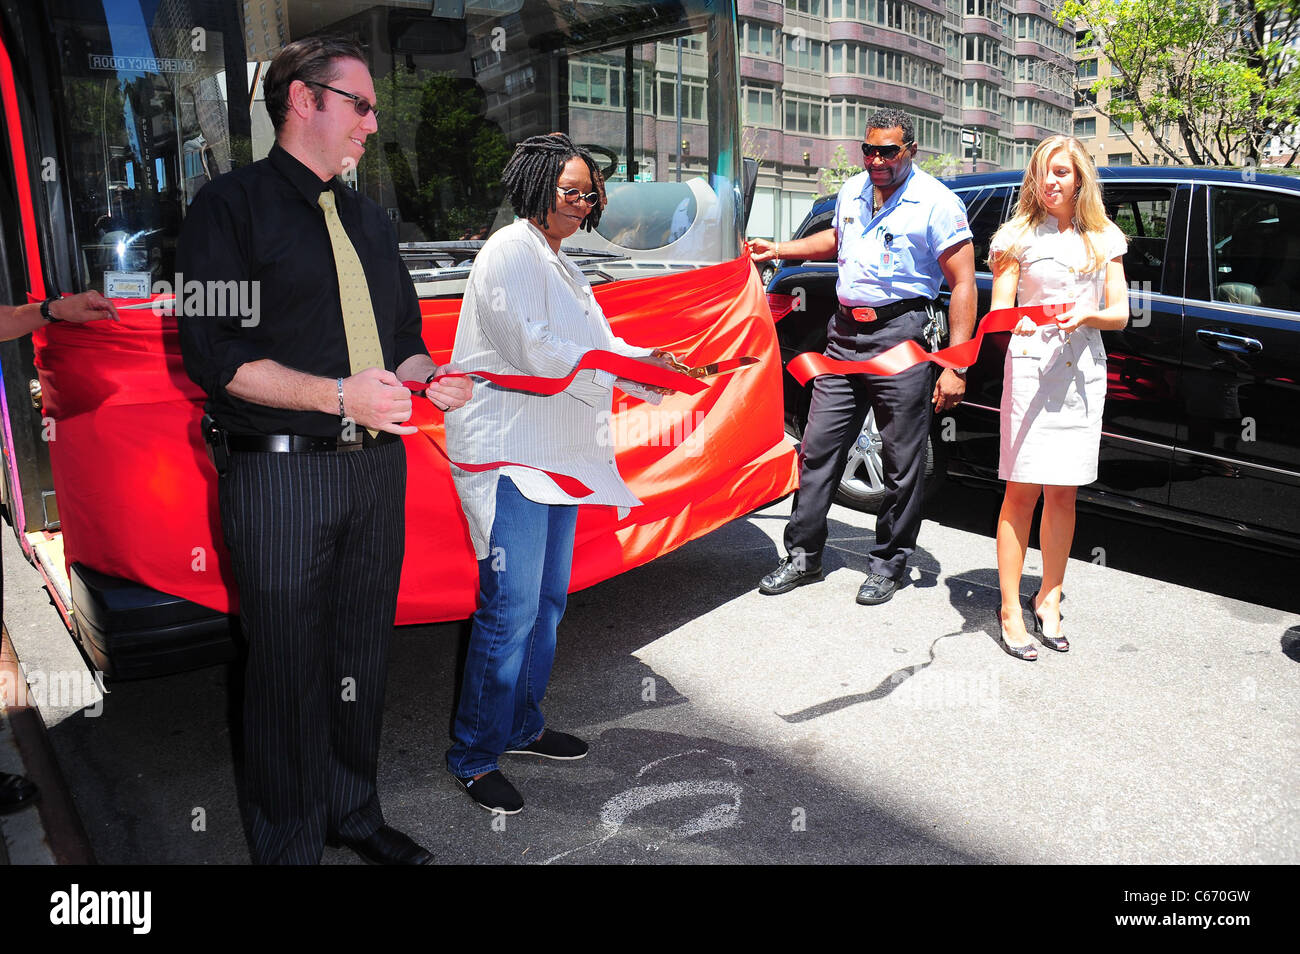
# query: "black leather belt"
883,312
299,444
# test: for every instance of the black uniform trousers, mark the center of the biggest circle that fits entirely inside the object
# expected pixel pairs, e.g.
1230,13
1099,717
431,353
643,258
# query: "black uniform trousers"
839,407
316,541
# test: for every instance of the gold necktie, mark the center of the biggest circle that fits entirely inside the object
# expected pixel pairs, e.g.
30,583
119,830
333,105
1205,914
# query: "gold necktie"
359,325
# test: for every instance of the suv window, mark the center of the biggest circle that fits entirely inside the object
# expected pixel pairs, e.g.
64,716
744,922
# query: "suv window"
1255,247
1142,214
984,211
816,222
819,223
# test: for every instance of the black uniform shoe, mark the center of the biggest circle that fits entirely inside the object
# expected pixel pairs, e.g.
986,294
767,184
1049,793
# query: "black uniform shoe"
876,589
388,846
786,577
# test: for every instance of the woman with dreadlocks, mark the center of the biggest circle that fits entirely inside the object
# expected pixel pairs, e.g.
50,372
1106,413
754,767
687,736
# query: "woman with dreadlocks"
529,310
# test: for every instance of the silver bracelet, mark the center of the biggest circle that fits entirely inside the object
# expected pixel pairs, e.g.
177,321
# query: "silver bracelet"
342,413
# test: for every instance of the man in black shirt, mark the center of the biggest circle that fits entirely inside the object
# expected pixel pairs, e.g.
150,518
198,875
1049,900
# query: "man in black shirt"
314,477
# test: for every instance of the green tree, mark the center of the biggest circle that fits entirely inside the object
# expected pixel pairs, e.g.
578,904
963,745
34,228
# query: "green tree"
831,178
438,152
942,165
1216,77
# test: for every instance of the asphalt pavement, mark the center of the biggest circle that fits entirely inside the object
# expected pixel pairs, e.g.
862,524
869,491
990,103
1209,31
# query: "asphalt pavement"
730,727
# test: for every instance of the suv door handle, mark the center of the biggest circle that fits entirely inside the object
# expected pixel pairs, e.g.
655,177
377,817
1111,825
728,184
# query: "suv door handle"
1221,341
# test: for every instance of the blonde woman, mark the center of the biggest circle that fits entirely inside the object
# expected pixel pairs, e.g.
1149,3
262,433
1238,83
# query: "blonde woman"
1059,248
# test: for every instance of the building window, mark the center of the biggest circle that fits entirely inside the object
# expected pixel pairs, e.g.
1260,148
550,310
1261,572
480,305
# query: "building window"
804,114
520,81
692,97
1088,69
811,7
1035,28
760,106
978,95
894,14
758,39
1121,159
855,58
593,83
805,54
1085,128
980,49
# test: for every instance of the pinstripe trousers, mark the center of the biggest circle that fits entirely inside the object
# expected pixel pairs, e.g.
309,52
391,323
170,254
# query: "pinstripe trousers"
316,541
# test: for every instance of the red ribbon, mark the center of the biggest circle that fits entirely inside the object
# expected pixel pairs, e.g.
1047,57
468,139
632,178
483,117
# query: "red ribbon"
803,368
620,365
617,364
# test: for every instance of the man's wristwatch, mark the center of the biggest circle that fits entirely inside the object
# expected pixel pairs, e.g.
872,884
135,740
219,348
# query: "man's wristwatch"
45,309
960,372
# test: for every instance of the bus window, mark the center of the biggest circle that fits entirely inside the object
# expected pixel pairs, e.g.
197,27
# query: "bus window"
145,119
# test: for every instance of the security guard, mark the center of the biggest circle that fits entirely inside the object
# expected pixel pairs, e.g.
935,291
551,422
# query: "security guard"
899,233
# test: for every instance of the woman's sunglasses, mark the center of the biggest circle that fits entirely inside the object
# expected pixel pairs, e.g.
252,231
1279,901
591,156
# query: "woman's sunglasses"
577,195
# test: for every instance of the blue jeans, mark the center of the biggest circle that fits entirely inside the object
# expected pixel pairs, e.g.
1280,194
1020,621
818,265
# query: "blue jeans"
523,588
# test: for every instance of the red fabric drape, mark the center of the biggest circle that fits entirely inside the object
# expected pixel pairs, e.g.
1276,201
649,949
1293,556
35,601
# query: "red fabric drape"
137,495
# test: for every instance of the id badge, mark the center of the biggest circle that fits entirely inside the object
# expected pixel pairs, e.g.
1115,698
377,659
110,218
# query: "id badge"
887,258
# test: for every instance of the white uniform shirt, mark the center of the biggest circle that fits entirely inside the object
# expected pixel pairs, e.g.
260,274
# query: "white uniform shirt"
528,310
895,255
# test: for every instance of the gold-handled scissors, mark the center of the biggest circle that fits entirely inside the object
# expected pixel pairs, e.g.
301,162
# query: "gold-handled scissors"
725,366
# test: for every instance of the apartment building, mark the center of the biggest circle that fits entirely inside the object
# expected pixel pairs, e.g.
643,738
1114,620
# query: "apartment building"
1109,142
983,80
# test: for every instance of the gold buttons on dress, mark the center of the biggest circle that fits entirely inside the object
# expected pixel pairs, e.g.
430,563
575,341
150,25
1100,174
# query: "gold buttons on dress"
1069,364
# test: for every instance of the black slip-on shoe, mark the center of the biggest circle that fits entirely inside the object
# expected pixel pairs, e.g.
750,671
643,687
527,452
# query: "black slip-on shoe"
493,793
554,745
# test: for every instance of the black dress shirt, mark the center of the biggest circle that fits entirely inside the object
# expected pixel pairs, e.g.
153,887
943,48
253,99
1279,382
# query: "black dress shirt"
261,223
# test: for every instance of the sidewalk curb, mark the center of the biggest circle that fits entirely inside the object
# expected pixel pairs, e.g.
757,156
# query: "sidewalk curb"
55,822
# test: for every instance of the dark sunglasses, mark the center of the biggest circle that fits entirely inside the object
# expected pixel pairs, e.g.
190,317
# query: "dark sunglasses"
577,195
359,103
884,152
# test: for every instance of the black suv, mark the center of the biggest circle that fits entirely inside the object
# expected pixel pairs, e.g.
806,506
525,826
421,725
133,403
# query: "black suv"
1202,420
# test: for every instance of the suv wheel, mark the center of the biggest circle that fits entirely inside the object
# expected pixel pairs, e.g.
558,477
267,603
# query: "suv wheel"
862,485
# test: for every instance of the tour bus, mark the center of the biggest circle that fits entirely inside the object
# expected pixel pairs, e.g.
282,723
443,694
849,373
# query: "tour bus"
116,112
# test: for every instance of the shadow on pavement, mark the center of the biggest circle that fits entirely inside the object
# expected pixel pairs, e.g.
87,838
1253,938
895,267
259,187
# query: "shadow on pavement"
154,775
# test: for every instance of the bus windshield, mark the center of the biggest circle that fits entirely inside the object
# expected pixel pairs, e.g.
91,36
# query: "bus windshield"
159,103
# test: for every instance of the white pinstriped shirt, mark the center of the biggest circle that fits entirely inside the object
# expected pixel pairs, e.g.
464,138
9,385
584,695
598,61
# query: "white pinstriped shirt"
528,310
